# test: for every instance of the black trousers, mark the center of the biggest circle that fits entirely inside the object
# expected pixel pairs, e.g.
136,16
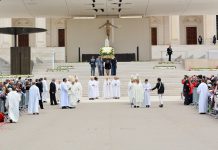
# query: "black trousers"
53,99
170,57
188,99
40,101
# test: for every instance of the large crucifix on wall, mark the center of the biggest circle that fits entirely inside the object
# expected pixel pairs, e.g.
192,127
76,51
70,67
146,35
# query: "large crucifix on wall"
108,27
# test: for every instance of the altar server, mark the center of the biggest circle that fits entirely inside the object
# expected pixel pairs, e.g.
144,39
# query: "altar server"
12,103
115,88
96,88
107,91
147,89
45,90
78,89
91,89
34,97
130,89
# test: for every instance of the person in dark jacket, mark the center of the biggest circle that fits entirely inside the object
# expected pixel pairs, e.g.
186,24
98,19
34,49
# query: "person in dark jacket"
214,39
40,86
200,40
92,63
187,91
160,91
52,92
169,52
107,67
114,66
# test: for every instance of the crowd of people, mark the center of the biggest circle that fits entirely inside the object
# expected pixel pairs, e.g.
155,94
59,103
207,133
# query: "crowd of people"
111,88
105,67
202,91
139,93
18,94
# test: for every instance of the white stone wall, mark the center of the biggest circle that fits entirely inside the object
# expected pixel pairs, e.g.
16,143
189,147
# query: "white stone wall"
52,25
5,40
40,37
162,25
87,35
26,22
186,51
43,55
190,21
209,28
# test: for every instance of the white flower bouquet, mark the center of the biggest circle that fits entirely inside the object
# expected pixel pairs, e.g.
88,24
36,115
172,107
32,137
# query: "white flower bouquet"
107,52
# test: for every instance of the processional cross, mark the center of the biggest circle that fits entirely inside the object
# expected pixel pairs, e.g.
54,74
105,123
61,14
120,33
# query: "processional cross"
108,27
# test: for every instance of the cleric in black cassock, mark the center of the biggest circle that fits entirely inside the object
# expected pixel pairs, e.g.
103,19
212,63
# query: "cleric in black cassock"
169,52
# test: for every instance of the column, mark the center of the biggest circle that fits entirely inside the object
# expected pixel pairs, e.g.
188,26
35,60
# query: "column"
5,40
40,37
174,30
209,28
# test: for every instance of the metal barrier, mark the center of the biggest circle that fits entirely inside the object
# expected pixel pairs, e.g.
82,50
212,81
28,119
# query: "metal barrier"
195,97
23,101
27,98
2,105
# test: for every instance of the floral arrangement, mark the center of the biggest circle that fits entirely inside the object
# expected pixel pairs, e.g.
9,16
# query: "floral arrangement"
65,67
203,69
57,70
107,52
164,67
15,76
166,62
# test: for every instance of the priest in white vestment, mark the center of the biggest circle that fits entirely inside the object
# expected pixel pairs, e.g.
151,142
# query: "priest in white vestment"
58,93
79,89
64,102
107,89
91,89
115,84
70,83
45,90
202,90
12,104
72,95
147,89
34,97
138,94
130,89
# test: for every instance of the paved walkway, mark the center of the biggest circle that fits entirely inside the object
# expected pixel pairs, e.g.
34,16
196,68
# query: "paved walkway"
113,126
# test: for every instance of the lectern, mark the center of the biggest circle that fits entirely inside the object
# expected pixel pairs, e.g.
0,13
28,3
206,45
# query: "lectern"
20,56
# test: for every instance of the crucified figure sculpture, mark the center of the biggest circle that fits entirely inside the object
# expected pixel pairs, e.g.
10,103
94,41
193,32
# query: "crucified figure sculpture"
108,26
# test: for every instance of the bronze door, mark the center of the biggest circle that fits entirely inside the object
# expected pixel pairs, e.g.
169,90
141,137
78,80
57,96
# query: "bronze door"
154,36
61,37
23,40
191,35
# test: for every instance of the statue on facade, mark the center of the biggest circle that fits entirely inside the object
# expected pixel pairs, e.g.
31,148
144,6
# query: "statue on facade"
107,43
108,27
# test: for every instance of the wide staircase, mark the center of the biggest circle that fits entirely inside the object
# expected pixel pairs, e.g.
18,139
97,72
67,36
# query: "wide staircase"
171,77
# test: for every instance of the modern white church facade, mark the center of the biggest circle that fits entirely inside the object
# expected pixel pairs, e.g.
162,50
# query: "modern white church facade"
149,26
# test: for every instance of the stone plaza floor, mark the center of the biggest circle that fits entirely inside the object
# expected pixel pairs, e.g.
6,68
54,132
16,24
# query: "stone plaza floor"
112,126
